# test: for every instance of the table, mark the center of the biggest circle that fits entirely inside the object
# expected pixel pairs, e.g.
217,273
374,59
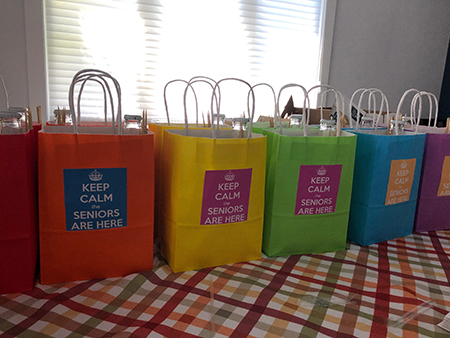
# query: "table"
356,292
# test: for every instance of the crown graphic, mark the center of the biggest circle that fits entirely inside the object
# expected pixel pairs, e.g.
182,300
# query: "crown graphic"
404,165
321,171
95,176
229,176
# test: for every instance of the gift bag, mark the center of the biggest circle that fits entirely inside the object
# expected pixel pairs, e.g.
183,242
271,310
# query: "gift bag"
386,182
18,202
308,188
434,189
96,195
18,205
213,198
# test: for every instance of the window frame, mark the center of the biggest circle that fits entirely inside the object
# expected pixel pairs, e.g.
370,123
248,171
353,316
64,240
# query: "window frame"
37,57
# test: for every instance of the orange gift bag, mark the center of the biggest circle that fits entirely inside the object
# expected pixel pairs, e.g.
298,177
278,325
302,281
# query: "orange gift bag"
96,195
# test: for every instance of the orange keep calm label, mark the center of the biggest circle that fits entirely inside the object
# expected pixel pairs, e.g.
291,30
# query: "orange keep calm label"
444,186
400,181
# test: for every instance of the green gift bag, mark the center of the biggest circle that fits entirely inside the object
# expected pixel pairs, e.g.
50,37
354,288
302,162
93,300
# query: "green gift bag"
308,189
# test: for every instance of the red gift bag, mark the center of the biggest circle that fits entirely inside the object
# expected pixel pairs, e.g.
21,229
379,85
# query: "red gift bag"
18,208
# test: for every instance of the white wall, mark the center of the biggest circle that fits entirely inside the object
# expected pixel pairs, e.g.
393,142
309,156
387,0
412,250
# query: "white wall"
13,58
24,74
391,45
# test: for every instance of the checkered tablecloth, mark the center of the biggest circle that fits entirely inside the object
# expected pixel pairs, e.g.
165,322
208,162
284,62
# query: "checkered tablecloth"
398,288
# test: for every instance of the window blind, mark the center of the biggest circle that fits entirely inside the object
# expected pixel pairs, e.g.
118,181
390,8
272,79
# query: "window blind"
145,44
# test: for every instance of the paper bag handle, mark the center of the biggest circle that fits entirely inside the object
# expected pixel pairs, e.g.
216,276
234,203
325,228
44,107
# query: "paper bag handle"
337,95
105,100
90,74
216,87
96,76
383,100
5,91
205,80
351,104
370,99
371,92
431,96
321,104
211,82
402,99
185,109
305,93
274,99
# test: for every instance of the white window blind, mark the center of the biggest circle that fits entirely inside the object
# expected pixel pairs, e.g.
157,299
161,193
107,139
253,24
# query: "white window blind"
144,44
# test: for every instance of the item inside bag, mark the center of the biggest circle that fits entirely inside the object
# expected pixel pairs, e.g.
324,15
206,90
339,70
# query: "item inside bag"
16,120
314,118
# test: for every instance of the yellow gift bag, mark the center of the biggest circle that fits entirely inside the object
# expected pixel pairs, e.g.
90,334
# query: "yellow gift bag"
158,129
213,197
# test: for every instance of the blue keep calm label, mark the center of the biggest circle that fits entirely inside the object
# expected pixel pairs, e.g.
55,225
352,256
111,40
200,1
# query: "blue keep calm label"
95,199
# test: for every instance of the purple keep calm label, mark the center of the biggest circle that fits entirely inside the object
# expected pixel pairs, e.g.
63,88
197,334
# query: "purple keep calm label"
225,196
318,187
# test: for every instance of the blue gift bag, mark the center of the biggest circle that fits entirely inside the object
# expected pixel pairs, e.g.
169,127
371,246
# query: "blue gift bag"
385,184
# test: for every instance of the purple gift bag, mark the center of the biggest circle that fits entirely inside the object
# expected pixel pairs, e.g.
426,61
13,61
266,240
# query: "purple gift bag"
433,201
434,191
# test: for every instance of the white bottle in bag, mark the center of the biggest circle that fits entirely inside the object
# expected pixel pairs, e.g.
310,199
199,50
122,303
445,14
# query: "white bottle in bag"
10,123
296,121
401,127
132,124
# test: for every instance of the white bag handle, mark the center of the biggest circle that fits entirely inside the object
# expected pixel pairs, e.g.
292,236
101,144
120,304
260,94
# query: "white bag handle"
351,104
274,99
383,98
305,93
372,99
321,105
89,74
330,89
338,95
342,101
207,80
105,88
185,108
436,103
402,99
5,91
431,96
212,82
216,87
99,77
371,92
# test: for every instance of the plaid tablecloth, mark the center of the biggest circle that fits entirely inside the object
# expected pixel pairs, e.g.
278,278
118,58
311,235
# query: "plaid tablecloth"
398,288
